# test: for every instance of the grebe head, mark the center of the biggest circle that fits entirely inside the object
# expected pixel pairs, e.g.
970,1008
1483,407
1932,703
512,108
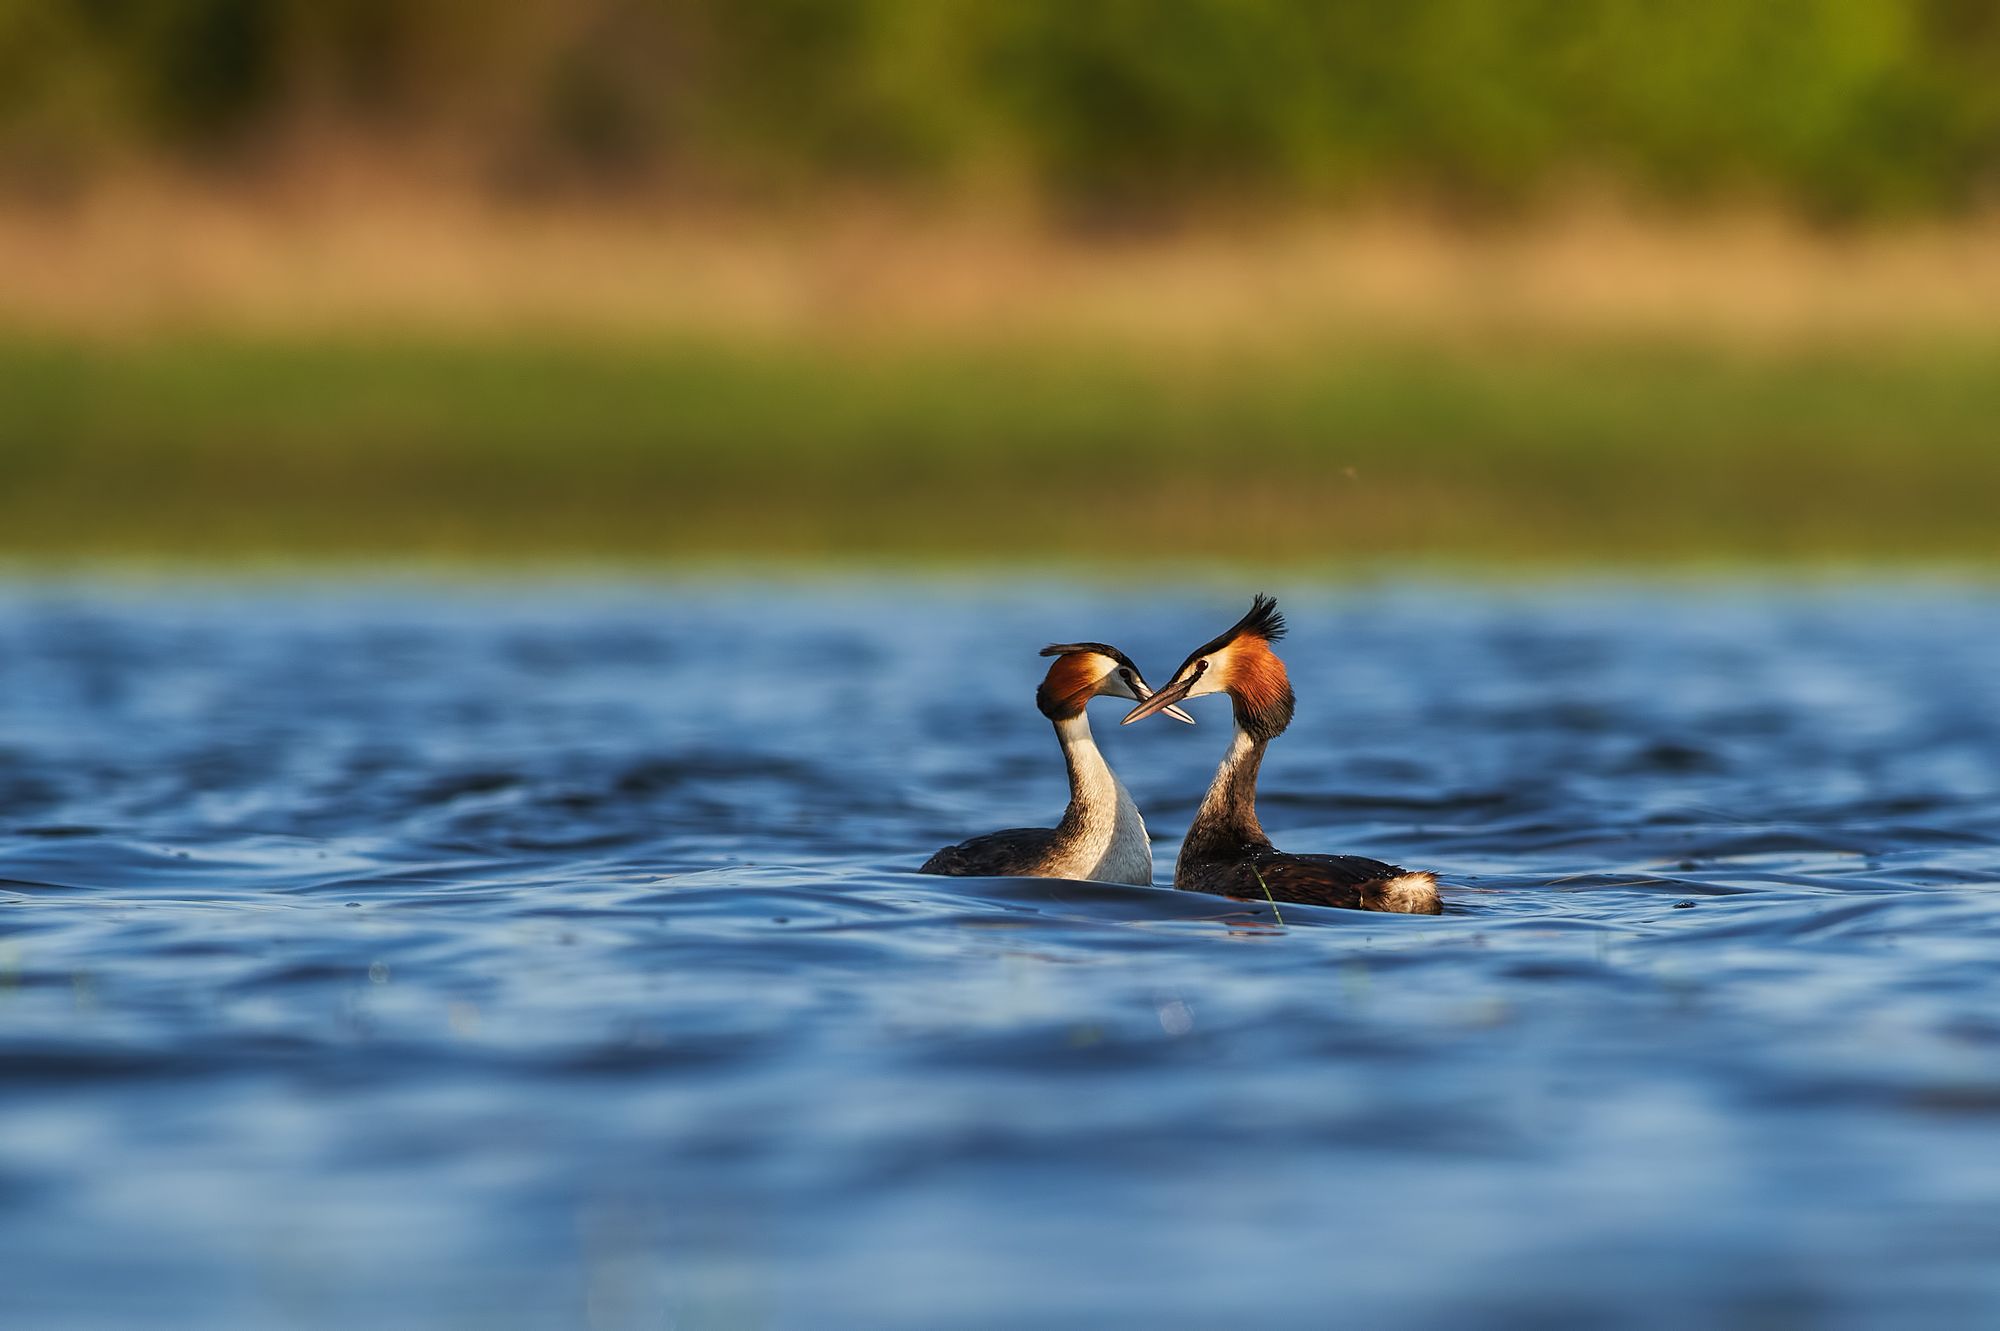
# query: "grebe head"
1238,662
1086,670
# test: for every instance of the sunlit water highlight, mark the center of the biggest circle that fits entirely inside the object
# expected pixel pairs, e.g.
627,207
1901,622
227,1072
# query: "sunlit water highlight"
399,955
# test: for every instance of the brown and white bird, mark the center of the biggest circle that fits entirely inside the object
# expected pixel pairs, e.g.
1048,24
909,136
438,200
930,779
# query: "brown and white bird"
1101,835
1226,851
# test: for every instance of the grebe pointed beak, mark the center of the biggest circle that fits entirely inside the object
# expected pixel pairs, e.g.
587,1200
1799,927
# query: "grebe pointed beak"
1163,701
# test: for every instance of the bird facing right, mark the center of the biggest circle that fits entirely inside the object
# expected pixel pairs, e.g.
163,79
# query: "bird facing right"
1226,851
1101,835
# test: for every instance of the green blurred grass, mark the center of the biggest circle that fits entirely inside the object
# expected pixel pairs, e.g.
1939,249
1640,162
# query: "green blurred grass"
224,448
1845,108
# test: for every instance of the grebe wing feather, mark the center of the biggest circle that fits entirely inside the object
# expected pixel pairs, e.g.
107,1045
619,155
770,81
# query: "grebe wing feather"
1352,882
1015,852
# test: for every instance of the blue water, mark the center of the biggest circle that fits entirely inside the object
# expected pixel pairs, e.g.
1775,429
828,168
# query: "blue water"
433,955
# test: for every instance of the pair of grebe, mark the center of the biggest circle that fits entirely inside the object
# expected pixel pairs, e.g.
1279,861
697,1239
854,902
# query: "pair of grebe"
1226,852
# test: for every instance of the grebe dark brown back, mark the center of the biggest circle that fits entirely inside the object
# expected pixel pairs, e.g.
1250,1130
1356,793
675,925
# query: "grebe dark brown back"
1101,835
1226,851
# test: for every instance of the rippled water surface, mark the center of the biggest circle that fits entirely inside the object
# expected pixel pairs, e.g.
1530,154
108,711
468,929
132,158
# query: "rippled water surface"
472,956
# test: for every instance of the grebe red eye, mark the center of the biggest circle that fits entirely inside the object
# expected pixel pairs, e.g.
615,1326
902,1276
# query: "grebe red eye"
1200,666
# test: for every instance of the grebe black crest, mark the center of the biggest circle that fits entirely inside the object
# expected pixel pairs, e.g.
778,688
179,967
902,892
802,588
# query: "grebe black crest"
1101,835
1226,851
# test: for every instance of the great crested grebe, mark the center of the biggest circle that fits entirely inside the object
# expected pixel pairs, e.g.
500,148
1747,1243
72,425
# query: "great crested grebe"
1226,851
1101,835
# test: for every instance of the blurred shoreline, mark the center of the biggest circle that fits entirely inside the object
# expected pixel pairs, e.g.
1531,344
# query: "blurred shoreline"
1326,459
355,372
157,257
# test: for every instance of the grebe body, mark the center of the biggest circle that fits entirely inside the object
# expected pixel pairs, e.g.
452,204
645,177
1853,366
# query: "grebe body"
1101,835
1226,851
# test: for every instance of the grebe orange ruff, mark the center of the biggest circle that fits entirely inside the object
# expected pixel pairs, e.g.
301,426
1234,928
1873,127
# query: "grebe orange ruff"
1101,835
1226,851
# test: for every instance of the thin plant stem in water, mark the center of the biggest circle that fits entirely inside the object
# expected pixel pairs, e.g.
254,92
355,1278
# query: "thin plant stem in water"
1267,895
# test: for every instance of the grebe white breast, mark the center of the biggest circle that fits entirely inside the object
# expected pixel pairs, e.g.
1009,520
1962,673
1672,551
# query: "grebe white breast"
1226,851
1101,835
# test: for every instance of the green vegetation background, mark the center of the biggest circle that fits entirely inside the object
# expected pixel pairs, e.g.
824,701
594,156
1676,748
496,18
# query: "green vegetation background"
1349,458
1835,106
519,442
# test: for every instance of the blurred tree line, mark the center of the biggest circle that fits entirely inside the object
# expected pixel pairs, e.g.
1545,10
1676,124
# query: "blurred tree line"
1836,107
